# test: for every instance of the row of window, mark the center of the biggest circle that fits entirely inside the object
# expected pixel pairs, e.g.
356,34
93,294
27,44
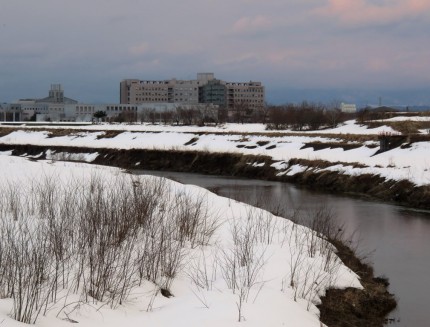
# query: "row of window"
89,109
246,96
154,82
185,89
151,94
166,89
157,95
245,90
245,100
244,84
115,108
151,100
84,110
85,107
120,108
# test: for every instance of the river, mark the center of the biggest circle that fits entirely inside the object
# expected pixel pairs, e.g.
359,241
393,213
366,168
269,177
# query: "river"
395,239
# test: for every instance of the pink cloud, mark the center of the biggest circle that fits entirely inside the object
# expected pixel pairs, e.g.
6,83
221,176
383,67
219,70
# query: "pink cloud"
358,12
377,65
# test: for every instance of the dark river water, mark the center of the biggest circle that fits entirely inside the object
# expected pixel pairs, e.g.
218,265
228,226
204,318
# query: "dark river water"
395,239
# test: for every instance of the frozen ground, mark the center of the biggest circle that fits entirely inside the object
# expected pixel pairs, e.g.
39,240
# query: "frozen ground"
411,163
269,300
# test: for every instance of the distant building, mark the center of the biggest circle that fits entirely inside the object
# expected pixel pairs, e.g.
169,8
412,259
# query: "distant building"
348,108
56,107
48,108
205,89
244,99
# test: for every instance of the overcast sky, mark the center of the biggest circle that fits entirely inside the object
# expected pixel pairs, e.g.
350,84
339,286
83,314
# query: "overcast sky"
351,50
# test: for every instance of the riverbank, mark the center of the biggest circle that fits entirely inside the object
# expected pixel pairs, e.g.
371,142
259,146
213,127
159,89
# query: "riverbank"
366,307
346,159
342,150
338,163
309,173
103,248
353,307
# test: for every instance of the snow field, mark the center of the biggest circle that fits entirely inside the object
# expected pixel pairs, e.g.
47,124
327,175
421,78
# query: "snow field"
91,244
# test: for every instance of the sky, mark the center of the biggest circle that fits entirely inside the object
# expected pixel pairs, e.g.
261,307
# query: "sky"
317,50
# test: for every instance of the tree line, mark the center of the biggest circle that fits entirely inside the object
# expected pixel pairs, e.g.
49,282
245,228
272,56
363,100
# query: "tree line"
298,117
305,116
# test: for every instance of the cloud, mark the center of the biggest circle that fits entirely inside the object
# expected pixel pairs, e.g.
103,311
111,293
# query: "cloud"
248,58
366,12
378,65
251,24
291,55
140,49
280,42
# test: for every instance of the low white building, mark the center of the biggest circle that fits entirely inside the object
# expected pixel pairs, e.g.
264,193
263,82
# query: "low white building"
57,108
348,108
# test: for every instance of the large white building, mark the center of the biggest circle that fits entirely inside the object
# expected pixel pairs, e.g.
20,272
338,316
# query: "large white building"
51,106
233,95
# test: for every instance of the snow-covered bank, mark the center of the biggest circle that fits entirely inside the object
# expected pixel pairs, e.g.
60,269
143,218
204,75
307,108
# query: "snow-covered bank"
348,128
348,157
289,263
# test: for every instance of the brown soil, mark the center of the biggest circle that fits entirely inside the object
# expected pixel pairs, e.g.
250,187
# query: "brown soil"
331,145
354,307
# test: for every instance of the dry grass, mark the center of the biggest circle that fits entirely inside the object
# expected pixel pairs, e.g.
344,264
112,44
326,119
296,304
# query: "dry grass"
322,164
345,140
332,145
108,134
6,131
404,127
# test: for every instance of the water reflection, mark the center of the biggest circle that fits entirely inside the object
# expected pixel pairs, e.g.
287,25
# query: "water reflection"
397,238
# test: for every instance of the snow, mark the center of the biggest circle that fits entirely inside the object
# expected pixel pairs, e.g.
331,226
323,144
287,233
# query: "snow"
349,127
410,163
295,169
270,302
65,156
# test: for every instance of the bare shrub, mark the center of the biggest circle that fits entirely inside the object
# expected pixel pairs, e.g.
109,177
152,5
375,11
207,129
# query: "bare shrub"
29,271
203,271
97,237
313,263
242,265
13,200
193,220
296,259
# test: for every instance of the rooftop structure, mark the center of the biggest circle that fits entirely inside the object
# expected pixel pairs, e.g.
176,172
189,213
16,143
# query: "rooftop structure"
56,95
